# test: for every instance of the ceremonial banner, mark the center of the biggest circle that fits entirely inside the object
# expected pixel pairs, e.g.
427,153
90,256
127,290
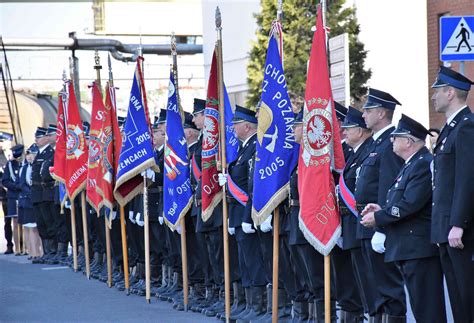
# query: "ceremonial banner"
232,142
111,142
76,147
277,154
320,153
211,191
177,192
59,169
136,154
95,148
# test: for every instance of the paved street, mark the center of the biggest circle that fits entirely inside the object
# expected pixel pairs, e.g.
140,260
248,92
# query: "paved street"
42,293
45,293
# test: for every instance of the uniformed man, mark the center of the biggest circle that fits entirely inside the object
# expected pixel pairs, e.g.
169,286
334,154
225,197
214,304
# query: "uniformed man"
45,218
213,303
358,138
309,263
51,195
406,219
249,254
375,176
9,179
199,270
453,191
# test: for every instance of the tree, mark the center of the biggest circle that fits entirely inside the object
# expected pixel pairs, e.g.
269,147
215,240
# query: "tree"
298,19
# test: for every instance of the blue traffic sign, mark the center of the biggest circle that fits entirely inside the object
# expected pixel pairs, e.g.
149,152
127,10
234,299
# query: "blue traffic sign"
456,38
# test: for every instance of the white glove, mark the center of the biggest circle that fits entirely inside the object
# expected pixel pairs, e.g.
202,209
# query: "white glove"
266,225
67,205
178,229
139,222
231,231
247,228
222,179
131,217
378,242
161,220
340,242
149,173
114,215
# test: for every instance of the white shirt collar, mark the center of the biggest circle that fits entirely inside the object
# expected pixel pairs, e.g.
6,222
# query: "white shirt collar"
191,144
161,147
358,146
247,140
43,148
377,134
409,158
451,118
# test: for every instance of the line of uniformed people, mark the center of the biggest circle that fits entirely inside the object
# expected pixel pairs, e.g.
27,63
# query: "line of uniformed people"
395,232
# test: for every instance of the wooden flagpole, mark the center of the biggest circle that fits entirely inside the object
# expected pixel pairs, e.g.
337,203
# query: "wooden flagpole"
220,78
327,259
184,263
276,255
85,232
73,235
276,216
184,250
145,200
108,253
124,250
147,241
122,209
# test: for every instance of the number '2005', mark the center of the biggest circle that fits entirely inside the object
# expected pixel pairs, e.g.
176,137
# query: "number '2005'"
270,169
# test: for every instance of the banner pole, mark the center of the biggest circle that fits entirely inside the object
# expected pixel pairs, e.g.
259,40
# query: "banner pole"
327,289
73,235
147,241
124,250
108,253
220,78
86,234
276,255
184,263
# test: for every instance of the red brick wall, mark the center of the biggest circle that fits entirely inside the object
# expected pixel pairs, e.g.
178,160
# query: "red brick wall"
435,8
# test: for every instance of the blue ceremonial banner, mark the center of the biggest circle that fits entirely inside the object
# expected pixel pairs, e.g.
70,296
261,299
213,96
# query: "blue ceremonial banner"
137,152
277,152
232,142
177,193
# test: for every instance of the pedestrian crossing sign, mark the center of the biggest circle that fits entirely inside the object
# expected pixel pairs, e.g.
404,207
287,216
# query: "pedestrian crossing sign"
456,38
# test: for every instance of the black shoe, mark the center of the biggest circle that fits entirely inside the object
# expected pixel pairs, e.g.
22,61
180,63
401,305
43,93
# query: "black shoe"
8,251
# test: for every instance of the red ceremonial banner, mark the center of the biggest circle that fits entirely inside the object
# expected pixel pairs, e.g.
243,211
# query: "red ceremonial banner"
321,152
58,171
211,191
111,141
76,147
95,148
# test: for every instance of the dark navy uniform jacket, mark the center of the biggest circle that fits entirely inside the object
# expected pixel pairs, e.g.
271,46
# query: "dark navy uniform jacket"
46,179
9,180
407,215
239,172
349,220
453,179
295,237
376,175
24,197
155,190
215,221
37,187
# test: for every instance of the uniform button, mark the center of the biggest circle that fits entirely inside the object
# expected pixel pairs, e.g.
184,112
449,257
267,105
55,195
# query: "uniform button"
434,187
387,201
411,231
432,204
